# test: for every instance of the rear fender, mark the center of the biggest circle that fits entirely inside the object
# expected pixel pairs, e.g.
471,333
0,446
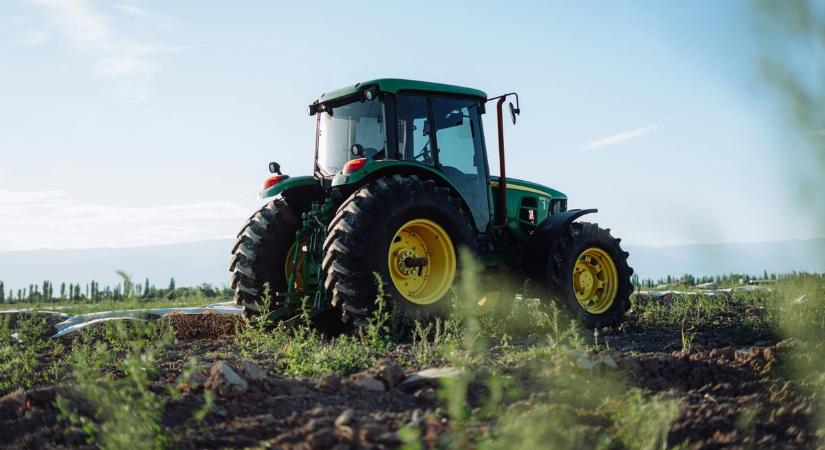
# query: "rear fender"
387,168
299,192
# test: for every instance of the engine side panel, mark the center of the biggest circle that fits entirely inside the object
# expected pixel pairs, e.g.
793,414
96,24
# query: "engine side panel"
528,205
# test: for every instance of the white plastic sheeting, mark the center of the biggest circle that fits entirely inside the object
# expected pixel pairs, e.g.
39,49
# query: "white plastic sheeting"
80,321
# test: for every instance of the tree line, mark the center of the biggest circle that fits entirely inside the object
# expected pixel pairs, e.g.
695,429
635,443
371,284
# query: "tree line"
92,291
731,279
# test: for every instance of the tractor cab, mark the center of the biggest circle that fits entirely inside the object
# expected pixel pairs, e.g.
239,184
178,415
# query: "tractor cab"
429,125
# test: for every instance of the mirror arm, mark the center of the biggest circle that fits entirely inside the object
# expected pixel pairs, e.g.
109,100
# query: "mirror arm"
515,94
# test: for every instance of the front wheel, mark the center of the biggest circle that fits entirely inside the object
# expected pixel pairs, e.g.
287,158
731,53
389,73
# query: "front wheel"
588,271
263,254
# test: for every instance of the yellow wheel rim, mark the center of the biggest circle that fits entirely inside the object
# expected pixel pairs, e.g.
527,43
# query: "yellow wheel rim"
298,283
422,261
595,280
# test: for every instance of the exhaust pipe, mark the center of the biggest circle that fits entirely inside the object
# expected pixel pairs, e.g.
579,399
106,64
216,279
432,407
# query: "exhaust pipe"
502,177
501,214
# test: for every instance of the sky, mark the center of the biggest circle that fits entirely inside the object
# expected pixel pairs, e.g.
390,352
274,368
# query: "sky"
132,123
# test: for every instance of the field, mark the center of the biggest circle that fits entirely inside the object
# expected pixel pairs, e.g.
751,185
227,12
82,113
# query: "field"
737,368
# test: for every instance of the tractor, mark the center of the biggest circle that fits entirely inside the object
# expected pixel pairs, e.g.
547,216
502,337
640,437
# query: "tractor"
401,194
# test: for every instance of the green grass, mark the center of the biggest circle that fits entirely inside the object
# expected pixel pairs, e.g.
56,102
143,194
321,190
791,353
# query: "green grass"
301,350
23,348
117,411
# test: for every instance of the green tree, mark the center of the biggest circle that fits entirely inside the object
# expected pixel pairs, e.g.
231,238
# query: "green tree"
171,291
127,284
47,291
2,293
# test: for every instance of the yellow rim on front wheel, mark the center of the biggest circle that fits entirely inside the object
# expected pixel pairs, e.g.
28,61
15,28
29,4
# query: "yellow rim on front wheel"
595,280
422,261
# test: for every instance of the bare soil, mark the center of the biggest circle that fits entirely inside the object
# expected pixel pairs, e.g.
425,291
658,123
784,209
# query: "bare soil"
732,386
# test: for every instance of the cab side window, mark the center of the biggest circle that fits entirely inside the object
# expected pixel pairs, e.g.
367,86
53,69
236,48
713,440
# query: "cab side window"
456,122
413,129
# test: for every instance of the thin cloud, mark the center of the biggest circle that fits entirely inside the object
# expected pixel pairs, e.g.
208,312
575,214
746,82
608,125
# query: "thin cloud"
89,31
130,9
619,138
78,21
35,37
54,219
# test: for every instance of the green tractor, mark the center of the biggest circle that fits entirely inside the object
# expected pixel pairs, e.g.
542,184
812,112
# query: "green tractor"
401,183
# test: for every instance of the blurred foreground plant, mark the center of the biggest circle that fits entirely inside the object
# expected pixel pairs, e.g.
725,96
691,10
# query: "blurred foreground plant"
567,406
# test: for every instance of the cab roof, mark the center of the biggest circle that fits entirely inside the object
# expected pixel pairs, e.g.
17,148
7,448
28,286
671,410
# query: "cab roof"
396,85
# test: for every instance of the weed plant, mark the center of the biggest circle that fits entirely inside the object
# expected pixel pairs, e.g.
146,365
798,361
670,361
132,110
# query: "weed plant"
301,350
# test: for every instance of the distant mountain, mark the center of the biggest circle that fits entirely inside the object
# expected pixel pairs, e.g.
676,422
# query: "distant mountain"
207,262
713,259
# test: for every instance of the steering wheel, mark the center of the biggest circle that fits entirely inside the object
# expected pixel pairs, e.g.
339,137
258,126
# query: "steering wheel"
425,154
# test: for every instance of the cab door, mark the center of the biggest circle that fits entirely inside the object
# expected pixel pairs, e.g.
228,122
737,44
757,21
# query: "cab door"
460,154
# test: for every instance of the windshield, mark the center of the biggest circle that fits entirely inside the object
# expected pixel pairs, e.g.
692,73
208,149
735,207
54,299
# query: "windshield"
360,122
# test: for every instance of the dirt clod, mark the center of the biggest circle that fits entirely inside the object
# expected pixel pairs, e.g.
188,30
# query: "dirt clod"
344,419
369,383
253,371
224,380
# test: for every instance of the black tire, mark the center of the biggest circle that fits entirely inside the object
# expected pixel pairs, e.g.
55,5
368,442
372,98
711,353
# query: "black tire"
558,273
259,254
361,232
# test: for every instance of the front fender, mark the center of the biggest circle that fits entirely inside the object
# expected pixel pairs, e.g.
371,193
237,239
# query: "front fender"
550,228
547,232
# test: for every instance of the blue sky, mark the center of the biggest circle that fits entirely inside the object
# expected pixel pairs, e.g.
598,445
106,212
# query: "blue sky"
128,123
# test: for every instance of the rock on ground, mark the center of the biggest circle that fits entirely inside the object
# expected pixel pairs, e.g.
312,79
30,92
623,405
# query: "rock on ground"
224,380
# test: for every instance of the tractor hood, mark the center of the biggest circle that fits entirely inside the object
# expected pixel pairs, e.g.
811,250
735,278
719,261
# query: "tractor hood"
527,186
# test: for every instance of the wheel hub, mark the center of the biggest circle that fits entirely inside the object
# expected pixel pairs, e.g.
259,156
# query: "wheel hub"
403,259
422,261
595,280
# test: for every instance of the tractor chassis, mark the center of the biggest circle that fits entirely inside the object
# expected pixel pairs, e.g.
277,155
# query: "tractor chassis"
307,297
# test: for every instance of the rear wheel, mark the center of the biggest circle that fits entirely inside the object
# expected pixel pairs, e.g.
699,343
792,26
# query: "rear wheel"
588,271
405,229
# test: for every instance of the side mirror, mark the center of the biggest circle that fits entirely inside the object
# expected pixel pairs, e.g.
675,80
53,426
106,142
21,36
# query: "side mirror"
274,168
514,112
